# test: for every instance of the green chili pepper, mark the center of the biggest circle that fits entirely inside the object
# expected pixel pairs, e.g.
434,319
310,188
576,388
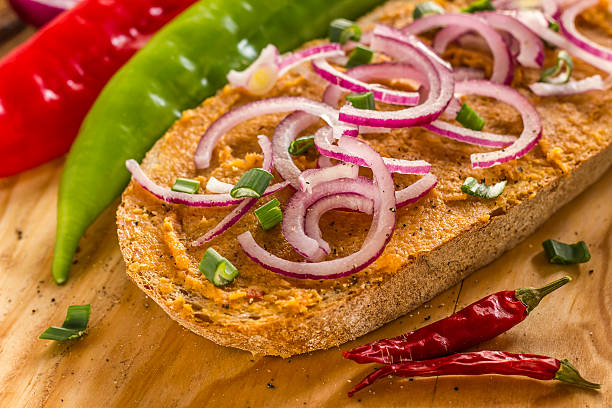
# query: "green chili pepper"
182,65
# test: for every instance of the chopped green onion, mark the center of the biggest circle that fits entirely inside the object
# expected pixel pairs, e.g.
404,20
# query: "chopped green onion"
301,145
553,25
341,30
566,254
363,100
217,269
426,8
471,186
561,72
479,5
269,214
469,118
74,326
252,184
185,185
360,56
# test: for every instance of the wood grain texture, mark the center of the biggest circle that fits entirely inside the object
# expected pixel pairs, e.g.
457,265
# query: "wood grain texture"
134,355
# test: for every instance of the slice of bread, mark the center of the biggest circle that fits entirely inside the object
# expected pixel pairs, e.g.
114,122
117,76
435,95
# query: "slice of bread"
438,240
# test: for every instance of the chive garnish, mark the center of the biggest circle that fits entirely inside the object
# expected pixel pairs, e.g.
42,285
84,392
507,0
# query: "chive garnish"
472,187
469,118
566,254
252,184
561,72
217,269
426,8
479,5
77,317
360,56
301,145
185,185
364,100
553,25
269,214
341,30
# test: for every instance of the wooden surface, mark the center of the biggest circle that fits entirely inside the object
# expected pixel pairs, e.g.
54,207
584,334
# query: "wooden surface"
134,355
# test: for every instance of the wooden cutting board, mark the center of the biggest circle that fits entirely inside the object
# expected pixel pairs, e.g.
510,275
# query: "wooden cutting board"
134,355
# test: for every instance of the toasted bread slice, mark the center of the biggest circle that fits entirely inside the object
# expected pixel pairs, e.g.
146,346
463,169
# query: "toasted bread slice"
438,240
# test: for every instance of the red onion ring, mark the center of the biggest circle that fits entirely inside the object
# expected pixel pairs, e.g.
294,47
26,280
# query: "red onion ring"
286,132
531,48
323,144
465,135
244,207
228,120
320,51
362,202
349,81
383,223
567,21
191,200
503,69
296,209
593,83
347,201
440,83
532,125
312,177
538,23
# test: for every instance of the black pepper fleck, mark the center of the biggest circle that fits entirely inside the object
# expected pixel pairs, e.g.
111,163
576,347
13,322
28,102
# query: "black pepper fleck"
271,386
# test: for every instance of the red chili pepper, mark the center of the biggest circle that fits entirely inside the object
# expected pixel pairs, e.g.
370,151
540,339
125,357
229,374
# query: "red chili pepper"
483,362
478,322
48,84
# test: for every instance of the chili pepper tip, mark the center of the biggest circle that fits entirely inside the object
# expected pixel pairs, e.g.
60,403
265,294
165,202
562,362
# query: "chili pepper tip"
568,374
531,297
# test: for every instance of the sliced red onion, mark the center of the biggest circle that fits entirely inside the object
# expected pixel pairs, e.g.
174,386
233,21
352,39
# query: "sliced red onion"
324,145
244,207
349,81
320,51
296,209
285,133
531,50
503,69
324,161
216,186
593,83
363,202
538,23
191,200
313,177
465,135
254,109
467,73
415,191
439,79
259,78
532,125
381,230
567,21
347,201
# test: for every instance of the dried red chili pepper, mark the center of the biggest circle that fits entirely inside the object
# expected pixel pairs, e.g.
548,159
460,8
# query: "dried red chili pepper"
48,84
478,322
484,362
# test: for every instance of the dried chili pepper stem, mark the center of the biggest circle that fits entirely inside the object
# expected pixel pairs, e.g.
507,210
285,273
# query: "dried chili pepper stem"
531,297
478,322
484,362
